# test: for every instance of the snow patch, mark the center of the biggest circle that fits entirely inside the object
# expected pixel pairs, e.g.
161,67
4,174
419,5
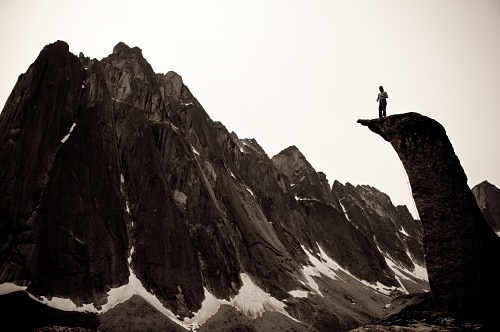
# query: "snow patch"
127,206
319,266
309,272
69,133
250,191
195,151
345,212
419,272
324,265
241,145
209,307
398,272
312,199
115,297
253,301
380,287
298,293
402,230
121,101
8,287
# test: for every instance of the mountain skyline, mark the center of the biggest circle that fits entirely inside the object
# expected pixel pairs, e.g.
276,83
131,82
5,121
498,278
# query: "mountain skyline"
289,73
110,170
113,174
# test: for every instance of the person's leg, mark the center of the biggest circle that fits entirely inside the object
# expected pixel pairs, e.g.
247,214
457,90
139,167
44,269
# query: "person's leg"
380,109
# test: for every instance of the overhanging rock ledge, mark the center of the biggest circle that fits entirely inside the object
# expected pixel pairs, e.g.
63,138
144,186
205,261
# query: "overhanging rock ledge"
461,250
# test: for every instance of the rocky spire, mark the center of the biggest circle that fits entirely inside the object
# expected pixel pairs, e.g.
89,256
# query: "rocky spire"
488,198
461,249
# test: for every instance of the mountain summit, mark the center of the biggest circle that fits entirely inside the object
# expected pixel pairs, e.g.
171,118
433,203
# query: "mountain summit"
488,198
118,192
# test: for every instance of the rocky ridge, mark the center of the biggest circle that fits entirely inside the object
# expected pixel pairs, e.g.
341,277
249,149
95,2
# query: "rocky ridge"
115,182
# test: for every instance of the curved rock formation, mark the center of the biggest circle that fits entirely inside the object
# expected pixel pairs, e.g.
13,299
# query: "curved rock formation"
461,250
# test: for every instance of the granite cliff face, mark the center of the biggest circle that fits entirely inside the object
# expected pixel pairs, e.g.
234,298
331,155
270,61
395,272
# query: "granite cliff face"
461,250
372,229
488,199
115,182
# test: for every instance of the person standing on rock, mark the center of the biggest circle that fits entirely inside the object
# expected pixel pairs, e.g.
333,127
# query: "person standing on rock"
382,101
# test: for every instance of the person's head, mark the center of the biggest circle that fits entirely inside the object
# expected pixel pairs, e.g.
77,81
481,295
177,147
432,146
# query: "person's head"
381,88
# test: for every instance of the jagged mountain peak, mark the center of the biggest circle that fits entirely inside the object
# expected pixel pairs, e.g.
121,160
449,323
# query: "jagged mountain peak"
131,80
121,180
293,163
251,144
122,47
487,196
291,149
307,184
58,43
486,184
173,76
375,192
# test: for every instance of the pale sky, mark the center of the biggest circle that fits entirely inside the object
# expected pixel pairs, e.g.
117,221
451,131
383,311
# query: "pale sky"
300,72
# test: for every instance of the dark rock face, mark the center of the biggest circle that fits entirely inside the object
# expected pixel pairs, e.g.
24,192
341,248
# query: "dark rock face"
352,222
28,315
109,171
43,204
461,250
488,199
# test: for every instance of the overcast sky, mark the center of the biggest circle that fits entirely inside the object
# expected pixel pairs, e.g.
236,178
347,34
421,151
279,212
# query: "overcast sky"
300,72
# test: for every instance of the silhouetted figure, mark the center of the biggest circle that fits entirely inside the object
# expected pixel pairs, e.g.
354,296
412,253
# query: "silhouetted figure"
382,101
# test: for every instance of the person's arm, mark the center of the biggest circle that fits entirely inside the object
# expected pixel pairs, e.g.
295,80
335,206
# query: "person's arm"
378,96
